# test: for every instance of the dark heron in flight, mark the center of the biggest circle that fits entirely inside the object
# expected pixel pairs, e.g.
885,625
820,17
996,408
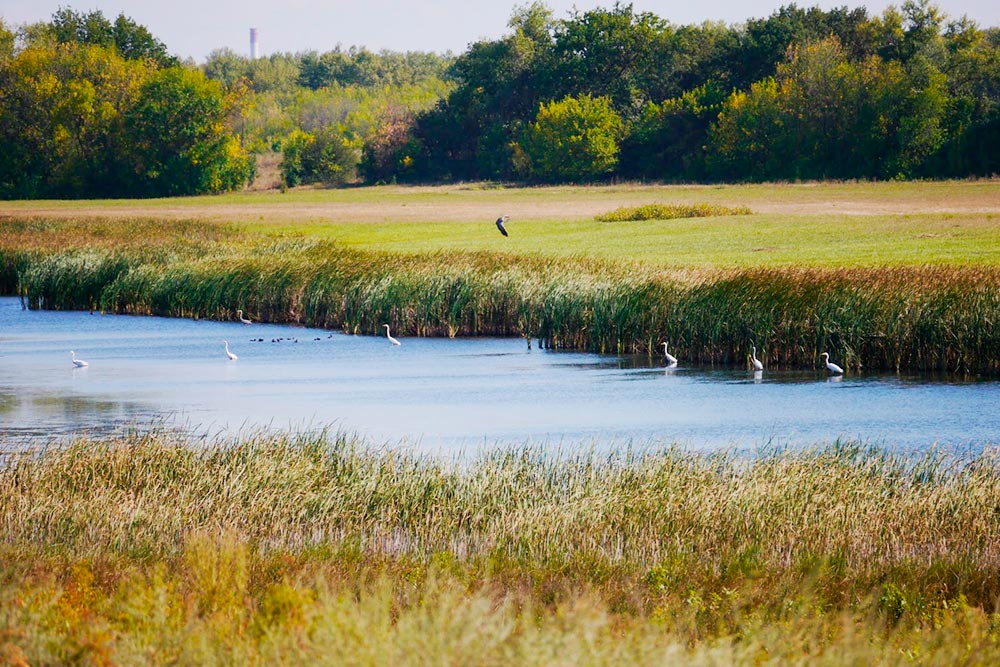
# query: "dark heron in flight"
500,226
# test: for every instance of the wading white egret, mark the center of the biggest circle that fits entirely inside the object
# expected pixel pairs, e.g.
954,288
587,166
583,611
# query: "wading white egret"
757,366
232,357
389,336
79,363
239,314
500,221
830,366
671,359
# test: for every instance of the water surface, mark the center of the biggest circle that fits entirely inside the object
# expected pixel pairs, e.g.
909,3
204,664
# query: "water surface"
443,394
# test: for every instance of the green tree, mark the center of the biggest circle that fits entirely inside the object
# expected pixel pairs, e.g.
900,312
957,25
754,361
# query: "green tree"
61,111
573,139
823,116
612,53
227,67
972,118
499,85
294,167
133,41
330,156
389,150
177,137
667,141
744,143
7,39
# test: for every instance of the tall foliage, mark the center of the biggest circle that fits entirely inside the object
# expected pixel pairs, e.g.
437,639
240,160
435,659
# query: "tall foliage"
575,138
82,118
823,116
178,138
803,93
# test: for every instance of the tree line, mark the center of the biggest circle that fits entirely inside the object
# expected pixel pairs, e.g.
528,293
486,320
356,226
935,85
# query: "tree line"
93,107
329,113
801,94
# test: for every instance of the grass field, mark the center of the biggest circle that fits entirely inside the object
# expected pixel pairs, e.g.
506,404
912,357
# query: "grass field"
817,225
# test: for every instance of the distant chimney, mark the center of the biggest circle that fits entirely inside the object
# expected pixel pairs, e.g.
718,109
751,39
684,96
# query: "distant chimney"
253,44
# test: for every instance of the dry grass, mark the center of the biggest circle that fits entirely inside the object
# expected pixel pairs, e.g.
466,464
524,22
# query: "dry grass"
472,202
279,548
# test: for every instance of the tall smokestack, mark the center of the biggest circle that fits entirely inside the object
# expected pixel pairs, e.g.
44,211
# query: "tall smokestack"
253,44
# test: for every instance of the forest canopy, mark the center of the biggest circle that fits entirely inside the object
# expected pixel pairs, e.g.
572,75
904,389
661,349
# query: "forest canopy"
801,94
93,107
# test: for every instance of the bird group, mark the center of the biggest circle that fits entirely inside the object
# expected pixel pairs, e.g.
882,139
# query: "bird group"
758,367
232,356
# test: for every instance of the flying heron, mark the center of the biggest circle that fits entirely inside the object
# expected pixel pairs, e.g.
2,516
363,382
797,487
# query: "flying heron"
500,222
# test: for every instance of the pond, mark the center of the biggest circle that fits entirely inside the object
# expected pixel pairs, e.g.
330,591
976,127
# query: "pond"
448,395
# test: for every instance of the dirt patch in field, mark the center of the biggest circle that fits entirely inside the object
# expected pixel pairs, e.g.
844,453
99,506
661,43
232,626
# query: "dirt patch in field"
471,202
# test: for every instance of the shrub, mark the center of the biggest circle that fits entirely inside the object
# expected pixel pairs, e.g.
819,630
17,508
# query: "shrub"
669,212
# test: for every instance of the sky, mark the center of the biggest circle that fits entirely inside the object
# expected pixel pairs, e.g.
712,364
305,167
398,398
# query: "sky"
194,28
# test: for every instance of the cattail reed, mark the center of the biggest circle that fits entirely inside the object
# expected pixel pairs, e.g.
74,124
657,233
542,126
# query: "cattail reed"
940,318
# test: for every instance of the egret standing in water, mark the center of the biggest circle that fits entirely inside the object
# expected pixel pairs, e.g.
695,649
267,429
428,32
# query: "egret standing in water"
500,221
671,359
79,363
757,366
389,336
232,357
830,366
239,314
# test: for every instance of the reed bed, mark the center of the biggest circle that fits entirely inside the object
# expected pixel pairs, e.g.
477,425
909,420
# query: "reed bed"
282,547
669,212
942,318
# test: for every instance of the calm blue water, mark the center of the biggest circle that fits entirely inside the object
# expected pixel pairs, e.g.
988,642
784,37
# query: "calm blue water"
444,395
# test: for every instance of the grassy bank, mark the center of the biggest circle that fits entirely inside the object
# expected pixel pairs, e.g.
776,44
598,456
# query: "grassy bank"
300,548
942,318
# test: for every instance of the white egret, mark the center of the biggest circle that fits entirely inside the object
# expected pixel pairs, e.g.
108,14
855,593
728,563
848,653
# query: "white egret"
389,336
239,314
232,357
671,359
757,366
79,363
830,366
500,221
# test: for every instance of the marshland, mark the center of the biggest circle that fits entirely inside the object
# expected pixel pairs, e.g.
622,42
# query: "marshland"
147,544
212,451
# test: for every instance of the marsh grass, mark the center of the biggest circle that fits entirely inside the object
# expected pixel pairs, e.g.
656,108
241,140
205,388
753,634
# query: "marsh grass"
935,317
931,318
282,547
669,212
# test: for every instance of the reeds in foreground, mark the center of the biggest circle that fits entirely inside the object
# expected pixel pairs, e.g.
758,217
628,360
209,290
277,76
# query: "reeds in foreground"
297,548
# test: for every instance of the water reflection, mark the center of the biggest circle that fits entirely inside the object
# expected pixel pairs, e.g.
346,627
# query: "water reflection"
27,414
446,394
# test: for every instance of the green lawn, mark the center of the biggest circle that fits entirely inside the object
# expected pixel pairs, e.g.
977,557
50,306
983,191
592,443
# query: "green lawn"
734,241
